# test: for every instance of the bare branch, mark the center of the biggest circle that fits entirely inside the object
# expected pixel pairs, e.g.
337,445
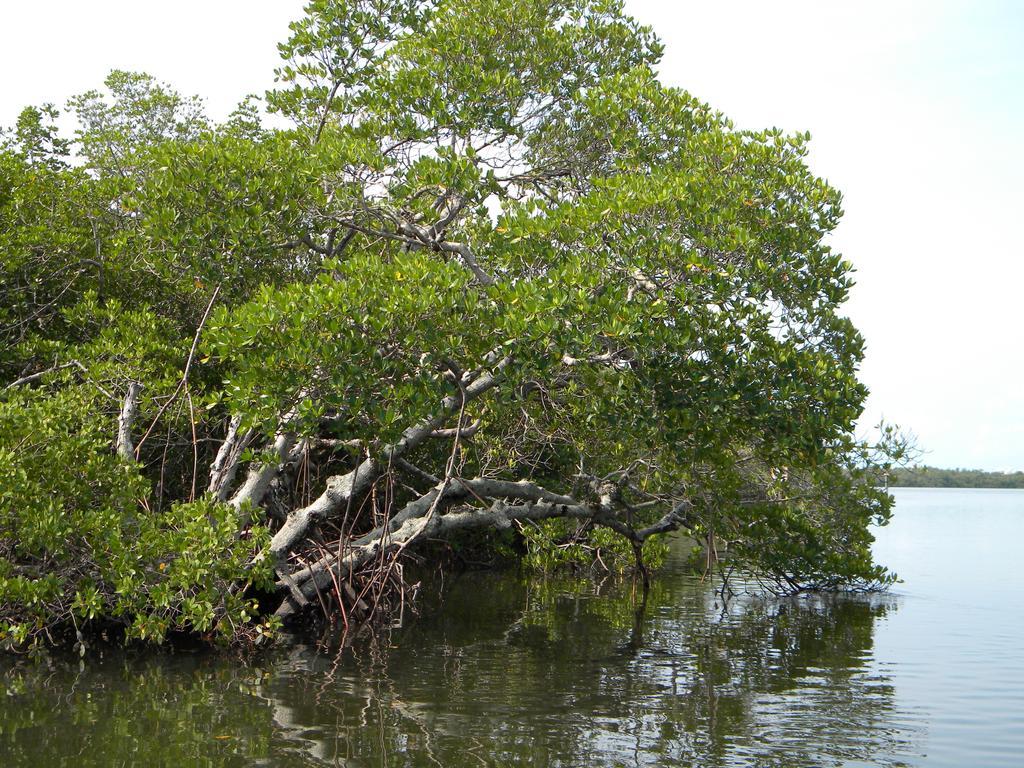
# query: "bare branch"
467,256
258,481
37,376
70,364
225,465
677,518
341,488
467,431
412,523
124,422
414,471
184,375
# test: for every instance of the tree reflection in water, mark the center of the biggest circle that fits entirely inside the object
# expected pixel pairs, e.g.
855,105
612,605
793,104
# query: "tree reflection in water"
507,671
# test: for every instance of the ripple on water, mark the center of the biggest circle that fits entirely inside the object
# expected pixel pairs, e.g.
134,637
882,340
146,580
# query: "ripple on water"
567,673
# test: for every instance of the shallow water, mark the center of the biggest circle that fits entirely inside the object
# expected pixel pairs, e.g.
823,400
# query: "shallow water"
562,672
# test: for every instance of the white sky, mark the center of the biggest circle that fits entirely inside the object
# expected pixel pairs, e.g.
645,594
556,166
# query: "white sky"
917,112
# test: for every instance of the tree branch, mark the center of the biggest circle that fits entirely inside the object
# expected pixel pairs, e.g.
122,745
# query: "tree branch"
225,465
341,488
184,375
258,481
70,364
124,422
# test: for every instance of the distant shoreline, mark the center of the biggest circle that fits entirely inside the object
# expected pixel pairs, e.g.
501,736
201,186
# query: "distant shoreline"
933,477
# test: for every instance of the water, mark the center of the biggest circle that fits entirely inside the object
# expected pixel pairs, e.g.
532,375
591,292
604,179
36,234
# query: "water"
561,672
953,648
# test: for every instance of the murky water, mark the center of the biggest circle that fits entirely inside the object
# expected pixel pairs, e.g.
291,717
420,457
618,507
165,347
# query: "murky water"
560,672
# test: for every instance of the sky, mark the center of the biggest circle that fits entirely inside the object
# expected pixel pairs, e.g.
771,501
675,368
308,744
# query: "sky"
916,109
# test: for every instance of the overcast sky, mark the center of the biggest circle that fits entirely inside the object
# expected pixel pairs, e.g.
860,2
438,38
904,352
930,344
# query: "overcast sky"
917,112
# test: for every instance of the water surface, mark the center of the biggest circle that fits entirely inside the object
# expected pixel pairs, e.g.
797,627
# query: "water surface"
512,671
954,649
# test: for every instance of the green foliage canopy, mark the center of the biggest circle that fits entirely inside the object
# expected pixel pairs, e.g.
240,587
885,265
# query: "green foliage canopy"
495,273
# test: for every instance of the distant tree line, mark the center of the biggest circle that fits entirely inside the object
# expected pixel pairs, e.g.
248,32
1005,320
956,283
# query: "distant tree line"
932,477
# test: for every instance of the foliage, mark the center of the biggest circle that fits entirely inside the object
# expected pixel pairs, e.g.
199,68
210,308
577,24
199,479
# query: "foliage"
558,544
495,274
113,137
78,543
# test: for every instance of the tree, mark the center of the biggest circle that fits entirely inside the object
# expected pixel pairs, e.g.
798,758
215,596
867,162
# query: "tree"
933,477
496,278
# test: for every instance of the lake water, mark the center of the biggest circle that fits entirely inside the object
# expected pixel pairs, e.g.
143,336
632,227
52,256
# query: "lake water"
510,671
